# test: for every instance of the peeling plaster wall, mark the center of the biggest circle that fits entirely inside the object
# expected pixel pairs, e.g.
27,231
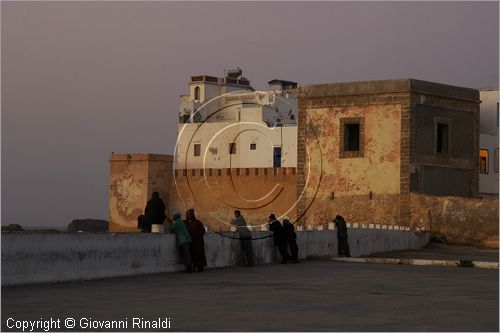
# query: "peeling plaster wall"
216,193
133,178
458,220
399,148
362,189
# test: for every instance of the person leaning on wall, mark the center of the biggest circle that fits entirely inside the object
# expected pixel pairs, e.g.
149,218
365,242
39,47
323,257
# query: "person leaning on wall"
279,237
343,243
245,238
291,239
196,231
182,240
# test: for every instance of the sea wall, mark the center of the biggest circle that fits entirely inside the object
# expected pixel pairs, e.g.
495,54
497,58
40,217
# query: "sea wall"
29,258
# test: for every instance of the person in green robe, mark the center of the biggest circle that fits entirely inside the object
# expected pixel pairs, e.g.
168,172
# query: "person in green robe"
182,240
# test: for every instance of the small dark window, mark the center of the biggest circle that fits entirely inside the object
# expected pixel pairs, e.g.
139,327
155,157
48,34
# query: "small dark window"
351,137
197,149
442,144
483,161
497,114
253,146
496,160
197,93
232,148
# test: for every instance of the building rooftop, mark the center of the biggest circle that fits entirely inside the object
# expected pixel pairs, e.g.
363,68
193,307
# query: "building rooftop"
388,86
217,80
283,83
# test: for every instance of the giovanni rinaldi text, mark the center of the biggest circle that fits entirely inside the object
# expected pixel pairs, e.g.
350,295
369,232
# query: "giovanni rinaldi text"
50,324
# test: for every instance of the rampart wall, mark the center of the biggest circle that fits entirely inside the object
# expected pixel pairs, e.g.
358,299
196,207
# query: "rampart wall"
216,193
29,258
456,219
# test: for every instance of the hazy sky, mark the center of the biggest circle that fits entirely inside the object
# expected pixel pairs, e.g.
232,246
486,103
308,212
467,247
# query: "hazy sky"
80,80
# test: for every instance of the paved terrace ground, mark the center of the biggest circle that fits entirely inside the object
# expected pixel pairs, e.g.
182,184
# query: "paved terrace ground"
442,251
312,296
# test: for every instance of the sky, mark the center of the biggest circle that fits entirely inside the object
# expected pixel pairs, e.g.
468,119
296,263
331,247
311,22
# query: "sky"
80,80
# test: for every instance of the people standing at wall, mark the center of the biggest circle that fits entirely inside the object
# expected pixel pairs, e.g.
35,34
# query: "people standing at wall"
279,237
196,231
154,212
143,223
291,239
245,238
343,244
182,240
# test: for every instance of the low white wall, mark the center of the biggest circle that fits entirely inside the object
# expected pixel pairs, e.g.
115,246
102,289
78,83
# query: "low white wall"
40,258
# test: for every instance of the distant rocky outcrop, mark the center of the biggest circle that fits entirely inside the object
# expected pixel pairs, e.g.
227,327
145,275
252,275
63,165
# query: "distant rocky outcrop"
12,227
88,225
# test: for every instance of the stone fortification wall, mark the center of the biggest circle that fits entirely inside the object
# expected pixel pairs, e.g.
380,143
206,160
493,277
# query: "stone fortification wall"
456,219
132,180
216,193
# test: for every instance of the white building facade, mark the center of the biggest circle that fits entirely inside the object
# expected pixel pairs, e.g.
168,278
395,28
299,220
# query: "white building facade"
488,142
224,123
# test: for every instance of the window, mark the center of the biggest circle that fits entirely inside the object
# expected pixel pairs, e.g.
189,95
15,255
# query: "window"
277,157
232,148
351,137
442,137
197,149
496,160
483,161
197,93
497,114
253,146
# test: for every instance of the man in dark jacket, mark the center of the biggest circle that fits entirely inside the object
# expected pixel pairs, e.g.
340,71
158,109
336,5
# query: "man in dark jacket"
154,211
342,236
279,237
291,239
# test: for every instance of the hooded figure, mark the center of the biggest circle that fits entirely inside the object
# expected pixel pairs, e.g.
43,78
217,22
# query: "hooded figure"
291,239
154,211
196,231
343,244
279,237
182,240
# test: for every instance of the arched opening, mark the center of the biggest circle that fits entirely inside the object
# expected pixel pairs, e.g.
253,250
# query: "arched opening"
197,93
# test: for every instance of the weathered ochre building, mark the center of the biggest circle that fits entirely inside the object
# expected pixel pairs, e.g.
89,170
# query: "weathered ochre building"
132,180
363,147
394,152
